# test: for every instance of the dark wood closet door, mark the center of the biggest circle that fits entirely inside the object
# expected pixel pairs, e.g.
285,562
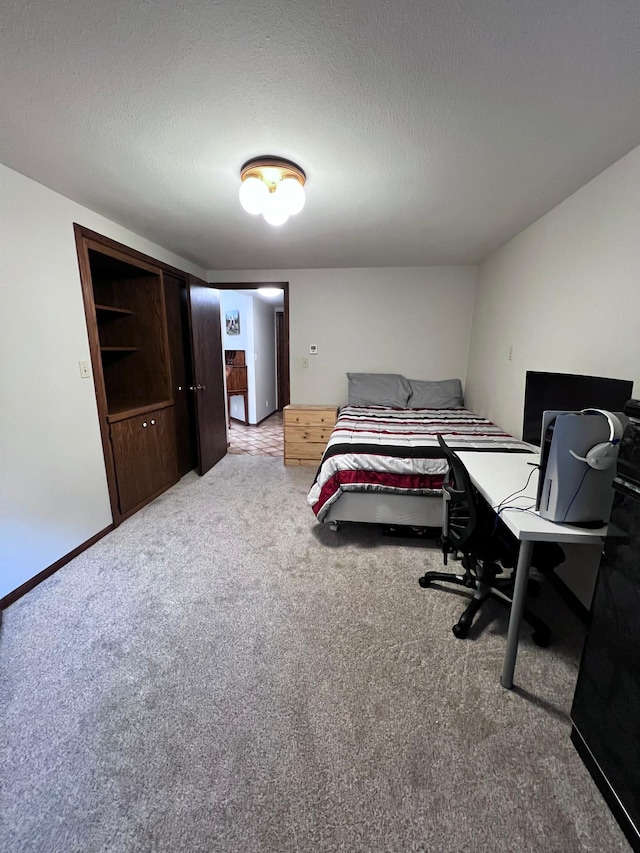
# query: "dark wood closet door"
175,297
208,381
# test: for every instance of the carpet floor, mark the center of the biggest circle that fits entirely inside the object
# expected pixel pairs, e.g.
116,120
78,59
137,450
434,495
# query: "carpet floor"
222,674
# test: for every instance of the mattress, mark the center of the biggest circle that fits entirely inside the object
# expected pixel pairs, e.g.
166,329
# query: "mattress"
377,449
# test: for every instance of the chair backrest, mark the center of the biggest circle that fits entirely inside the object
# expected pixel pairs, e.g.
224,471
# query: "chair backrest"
461,505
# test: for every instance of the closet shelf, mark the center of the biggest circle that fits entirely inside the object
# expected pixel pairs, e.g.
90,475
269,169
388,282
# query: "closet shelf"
120,410
109,311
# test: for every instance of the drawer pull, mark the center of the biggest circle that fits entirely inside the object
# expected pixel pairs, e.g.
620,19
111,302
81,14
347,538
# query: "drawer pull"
144,424
153,422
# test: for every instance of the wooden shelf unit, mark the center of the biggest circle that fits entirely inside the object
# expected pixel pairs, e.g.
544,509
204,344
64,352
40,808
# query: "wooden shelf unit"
126,319
120,411
108,312
156,350
306,431
129,308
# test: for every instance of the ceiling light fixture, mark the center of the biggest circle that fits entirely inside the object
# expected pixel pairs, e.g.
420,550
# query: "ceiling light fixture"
273,187
270,291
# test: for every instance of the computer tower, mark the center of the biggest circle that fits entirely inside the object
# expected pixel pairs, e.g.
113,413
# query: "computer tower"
570,490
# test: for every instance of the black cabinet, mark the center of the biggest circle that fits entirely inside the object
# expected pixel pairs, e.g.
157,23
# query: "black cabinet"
606,706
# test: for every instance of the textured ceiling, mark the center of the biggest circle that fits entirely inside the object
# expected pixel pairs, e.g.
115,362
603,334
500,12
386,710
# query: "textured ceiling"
430,132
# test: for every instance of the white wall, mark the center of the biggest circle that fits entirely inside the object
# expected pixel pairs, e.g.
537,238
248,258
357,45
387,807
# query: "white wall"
409,320
53,489
565,294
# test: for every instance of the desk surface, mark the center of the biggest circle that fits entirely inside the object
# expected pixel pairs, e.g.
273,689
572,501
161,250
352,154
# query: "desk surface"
497,475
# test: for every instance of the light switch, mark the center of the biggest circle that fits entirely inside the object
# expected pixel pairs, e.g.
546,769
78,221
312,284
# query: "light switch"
313,349
305,362
85,373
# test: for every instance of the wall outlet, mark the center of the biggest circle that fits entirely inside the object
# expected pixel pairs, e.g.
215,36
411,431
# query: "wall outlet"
85,372
305,362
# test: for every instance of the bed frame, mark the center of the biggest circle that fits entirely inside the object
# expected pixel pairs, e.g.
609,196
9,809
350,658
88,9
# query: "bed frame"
388,509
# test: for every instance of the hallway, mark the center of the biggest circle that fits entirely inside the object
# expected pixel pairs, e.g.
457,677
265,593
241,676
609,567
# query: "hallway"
264,439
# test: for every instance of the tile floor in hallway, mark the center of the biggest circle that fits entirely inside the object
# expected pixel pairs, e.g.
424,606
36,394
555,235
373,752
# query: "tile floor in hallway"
264,439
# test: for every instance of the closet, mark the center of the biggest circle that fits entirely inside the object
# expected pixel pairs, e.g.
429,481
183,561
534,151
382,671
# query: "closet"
156,352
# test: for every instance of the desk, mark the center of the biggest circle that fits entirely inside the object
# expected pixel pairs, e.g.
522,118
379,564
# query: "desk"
497,475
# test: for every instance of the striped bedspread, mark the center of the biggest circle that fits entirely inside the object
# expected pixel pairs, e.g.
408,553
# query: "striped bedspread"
396,450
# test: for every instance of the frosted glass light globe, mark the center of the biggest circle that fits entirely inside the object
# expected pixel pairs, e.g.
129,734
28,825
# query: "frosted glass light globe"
291,193
253,195
274,212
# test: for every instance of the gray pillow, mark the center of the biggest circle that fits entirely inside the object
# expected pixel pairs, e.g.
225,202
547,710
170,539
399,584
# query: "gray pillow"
436,394
378,389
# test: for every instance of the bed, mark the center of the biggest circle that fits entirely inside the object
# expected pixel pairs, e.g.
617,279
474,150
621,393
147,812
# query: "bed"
383,464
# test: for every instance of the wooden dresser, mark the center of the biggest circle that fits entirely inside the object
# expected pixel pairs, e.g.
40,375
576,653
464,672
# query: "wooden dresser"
237,383
306,432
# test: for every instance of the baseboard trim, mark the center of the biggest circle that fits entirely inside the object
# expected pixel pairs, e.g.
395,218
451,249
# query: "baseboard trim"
45,573
632,833
239,421
266,417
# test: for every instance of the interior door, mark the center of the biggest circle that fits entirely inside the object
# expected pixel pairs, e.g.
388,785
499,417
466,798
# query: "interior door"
208,380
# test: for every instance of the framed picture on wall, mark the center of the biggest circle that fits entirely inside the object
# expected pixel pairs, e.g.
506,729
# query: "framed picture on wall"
233,322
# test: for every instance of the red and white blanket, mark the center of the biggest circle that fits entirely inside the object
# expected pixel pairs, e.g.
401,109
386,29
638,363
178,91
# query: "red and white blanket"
396,450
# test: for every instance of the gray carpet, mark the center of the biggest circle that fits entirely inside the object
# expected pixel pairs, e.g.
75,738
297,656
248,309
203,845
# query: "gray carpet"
223,674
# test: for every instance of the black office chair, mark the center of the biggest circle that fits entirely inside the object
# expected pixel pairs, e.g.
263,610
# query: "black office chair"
469,528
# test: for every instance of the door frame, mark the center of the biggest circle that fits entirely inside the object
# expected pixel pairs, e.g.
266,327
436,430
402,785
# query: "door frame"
284,286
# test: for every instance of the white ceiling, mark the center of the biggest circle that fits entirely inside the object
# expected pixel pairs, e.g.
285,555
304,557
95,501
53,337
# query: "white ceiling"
430,132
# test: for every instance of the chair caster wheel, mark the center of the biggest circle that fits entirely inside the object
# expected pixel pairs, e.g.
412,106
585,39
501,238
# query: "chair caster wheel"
541,638
460,631
424,582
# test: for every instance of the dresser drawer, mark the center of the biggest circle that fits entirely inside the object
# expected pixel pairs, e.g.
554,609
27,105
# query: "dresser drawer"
310,416
303,452
313,434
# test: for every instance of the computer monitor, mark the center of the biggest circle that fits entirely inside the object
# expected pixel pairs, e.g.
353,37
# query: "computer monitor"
569,392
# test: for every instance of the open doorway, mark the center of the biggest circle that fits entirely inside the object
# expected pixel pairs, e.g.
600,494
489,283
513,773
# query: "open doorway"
255,341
